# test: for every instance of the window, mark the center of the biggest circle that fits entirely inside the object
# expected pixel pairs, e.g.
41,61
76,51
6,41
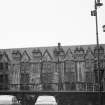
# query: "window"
70,76
90,87
101,64
47,87
81,86
89,77
73,86
80,72
1,66
47,67
69,66
36,67
69,72
24,80
25,66
70,86
89,64
3,81
6,66
53,67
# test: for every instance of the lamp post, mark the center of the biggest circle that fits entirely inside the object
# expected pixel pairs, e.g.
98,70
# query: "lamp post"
94,13
103,28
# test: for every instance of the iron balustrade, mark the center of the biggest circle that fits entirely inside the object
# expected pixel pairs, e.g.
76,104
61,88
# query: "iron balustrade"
79,86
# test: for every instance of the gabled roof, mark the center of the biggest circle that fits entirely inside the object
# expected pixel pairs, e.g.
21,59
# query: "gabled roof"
89,54
37,52
46,56
5,57
69,55
50,50
25,57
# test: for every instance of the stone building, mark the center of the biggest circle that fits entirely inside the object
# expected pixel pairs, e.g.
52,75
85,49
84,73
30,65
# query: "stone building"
59,68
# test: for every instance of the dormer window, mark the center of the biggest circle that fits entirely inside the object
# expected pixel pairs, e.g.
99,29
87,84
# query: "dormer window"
16,55
76,50
79,50
79,53
36,53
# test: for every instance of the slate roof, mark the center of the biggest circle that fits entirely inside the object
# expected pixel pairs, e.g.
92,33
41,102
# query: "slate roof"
49,49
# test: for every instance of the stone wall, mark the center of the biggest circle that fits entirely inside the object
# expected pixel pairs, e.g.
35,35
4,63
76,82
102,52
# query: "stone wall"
61,68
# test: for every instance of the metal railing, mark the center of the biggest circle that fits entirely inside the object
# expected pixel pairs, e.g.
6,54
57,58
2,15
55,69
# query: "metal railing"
78,87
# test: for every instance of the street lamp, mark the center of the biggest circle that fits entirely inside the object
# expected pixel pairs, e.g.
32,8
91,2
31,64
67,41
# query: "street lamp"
98,3
94,13
103,28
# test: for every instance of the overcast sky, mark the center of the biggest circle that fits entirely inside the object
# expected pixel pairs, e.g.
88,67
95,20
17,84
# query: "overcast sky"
37,23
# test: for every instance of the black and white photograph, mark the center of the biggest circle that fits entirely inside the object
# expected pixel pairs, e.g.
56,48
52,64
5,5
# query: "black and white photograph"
52,52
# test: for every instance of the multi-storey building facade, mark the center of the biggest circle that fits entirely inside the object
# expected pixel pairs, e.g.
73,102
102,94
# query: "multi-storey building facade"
60,68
